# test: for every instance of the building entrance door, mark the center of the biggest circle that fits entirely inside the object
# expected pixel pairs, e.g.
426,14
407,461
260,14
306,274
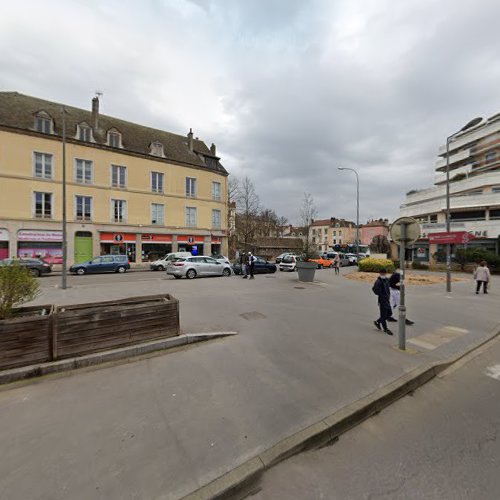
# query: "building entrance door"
83,246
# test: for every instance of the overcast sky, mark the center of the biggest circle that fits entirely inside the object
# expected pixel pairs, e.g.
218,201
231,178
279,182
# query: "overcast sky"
288,89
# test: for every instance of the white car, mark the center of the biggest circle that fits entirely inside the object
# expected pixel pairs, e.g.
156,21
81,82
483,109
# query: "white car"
288,263
192,267
161,264
353,258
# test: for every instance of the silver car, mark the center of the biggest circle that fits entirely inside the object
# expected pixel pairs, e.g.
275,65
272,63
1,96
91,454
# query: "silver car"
192,267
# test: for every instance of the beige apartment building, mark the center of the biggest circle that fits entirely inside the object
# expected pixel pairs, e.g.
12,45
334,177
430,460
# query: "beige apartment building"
331,233
131,189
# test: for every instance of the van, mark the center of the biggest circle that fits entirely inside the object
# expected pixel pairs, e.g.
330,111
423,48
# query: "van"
161,264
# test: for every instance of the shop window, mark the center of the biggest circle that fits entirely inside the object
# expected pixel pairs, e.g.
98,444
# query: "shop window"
43,205
42,165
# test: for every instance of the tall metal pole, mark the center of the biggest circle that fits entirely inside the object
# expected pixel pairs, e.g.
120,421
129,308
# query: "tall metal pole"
402,305
64,229
357,208
448,225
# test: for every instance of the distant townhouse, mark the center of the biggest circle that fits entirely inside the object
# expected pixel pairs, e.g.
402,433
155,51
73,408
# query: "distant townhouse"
131,189
377,227
327,234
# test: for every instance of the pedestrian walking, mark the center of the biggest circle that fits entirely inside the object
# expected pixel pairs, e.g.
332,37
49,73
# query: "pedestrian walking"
394,285
336,263
382,290
243,263
482,277
251,264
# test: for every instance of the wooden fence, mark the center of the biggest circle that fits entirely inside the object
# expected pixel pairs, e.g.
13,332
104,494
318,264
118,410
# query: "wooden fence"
74,330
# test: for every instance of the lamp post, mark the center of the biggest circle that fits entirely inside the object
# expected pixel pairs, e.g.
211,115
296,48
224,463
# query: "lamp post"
469,125
357,209
64,217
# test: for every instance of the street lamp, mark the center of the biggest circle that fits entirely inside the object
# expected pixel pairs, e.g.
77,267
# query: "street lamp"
469,125
357,209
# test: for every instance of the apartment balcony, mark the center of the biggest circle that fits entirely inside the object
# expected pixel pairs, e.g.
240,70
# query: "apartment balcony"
441,176
454,158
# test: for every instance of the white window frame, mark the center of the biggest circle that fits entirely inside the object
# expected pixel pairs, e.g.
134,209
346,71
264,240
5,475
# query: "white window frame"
83,218
190,194
154,215
43,176
188,219
157,149
80,131
44,119
214,224
125,175
162,176
216,196
85,164
115,134
51,205
124,211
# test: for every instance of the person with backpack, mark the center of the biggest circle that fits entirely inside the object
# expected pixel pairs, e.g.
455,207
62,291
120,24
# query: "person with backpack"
382,290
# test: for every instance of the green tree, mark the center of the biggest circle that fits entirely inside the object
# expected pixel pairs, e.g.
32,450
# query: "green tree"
17,286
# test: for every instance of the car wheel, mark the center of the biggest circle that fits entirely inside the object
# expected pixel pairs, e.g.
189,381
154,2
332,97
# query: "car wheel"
226,272
120,269
160,268
81,271
191,274
35,272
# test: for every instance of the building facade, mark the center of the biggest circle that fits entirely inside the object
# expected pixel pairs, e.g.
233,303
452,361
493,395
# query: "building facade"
327,234
131,189
474,162
378,227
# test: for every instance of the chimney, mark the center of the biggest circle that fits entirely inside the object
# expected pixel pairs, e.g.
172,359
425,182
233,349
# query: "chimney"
95,112
213,150
190,140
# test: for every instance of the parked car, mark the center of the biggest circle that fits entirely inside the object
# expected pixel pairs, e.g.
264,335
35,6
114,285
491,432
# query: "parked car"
102,264
221,258
161,264
36,266
322,262
353,258
261,266
279,258
289,262
192,267
344,261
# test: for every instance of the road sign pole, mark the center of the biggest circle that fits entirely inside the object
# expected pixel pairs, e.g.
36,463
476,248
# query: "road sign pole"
402,306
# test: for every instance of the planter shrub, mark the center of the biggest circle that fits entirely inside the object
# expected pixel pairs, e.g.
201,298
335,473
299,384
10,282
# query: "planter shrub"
370,265
17,286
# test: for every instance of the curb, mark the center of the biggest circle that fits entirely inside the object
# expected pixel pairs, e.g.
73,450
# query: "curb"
242,480
26,372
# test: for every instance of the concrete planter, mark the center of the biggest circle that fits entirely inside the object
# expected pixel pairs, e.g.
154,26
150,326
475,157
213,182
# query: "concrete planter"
306,270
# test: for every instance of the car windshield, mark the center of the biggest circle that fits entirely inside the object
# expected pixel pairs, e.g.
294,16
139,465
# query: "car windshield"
288,259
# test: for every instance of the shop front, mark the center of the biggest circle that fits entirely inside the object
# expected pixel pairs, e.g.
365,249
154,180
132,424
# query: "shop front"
118,244
193,244
34,244
155,246
4,244
216,245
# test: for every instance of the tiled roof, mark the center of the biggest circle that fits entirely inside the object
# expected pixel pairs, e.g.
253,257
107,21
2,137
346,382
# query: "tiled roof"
333,222
18,111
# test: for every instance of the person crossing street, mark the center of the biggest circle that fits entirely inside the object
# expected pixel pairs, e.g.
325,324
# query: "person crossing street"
382,289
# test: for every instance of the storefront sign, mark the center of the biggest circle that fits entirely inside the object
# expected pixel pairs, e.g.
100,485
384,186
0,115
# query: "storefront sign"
216,240
452,237
190,239
117,237
158,238
39,236
4,235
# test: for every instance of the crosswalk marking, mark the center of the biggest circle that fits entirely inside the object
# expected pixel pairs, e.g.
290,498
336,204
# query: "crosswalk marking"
436,338
493,372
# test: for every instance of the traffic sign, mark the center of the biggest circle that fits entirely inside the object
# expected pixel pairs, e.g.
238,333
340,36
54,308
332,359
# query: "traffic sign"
412,230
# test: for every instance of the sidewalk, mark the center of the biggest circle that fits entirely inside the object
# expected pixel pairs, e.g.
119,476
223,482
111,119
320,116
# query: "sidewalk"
165,426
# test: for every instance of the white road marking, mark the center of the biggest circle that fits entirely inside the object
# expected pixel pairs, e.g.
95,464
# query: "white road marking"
493,372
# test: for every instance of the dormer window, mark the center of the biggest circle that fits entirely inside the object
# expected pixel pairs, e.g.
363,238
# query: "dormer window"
156,149
43,123
114,139
84,133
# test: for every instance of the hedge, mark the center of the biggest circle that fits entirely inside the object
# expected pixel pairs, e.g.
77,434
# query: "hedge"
370,265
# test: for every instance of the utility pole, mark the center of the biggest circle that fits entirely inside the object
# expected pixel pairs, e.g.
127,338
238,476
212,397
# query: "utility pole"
64,215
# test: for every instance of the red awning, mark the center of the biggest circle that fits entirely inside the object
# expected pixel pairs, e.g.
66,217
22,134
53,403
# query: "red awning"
452,237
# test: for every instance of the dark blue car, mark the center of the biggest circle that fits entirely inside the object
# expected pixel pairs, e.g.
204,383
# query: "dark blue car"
102,264
261,266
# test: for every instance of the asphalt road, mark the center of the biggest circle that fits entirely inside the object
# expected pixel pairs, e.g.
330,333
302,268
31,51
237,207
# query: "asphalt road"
441,443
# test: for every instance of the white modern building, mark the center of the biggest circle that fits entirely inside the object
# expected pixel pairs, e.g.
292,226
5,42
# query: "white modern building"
474,162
